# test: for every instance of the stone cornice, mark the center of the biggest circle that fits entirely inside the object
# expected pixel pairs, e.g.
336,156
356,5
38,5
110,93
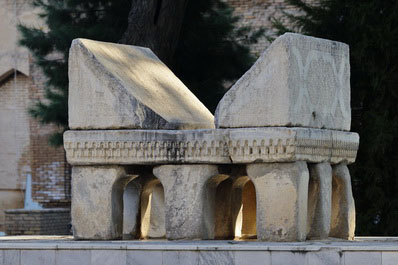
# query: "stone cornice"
210,146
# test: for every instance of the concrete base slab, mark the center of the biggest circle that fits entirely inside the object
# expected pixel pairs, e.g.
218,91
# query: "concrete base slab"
51,250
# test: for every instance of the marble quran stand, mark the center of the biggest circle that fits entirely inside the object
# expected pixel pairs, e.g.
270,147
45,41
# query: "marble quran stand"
150,161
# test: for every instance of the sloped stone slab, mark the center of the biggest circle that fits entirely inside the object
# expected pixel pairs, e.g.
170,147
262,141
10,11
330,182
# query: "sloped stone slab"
298,81
113,86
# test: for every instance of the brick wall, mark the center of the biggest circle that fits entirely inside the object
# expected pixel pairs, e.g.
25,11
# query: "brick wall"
257,14
26,142
14,142
50,171
38,222
24,147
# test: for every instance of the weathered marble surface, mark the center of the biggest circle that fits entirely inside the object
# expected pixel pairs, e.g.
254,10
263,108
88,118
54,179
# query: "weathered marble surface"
298,81
97,201
185,199
285,121
281,198
113,86
240,145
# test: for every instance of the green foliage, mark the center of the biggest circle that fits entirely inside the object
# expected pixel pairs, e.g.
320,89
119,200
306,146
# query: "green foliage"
66,20
370,27
213,50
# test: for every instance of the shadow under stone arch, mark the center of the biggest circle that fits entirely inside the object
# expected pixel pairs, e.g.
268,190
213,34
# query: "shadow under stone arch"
217,208
231,205
244,208
153,210
143,210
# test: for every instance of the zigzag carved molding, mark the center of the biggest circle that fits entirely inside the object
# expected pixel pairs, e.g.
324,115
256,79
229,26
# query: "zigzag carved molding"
220,146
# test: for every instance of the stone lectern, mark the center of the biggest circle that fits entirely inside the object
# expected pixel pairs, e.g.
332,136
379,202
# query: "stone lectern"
150,161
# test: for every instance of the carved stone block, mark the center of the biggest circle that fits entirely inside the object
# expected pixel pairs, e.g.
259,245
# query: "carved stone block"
298,81
114,86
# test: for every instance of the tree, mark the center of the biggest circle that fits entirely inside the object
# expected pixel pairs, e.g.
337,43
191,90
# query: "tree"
204,47
66,20
213,50
371,30
156,24
199,40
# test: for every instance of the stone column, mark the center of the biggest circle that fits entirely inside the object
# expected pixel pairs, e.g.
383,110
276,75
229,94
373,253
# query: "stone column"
152,210
237,205
244,208
319,200
281,193
185,196
97,201
343,206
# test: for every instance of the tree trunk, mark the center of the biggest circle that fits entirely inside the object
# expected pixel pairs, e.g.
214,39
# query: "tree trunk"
155,24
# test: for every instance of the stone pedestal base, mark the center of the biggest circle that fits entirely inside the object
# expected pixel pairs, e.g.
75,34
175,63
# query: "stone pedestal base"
197,202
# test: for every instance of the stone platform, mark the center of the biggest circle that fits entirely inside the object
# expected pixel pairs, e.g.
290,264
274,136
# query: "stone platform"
62,250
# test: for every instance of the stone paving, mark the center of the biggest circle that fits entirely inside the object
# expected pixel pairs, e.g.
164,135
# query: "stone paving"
56,250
